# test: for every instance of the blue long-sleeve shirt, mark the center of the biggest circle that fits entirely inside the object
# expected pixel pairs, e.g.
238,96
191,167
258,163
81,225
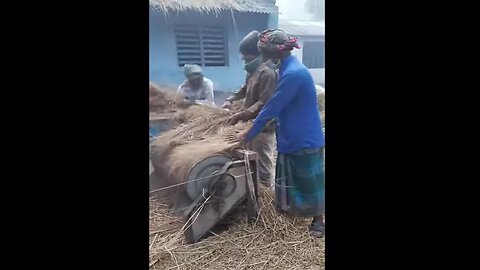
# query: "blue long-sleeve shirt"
294,107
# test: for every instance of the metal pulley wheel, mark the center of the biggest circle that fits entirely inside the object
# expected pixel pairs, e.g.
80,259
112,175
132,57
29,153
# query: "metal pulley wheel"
223,187
203,172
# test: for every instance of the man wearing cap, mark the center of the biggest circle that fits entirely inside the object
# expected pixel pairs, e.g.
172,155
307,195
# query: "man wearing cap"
300,177
260,83
197,88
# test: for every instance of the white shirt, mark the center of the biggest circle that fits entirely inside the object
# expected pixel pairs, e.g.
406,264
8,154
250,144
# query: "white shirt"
203,93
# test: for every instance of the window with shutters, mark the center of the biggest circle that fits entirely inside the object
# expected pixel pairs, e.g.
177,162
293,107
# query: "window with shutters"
201,45
314,54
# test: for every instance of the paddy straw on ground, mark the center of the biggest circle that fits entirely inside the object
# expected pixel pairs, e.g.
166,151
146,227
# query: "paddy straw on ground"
272,241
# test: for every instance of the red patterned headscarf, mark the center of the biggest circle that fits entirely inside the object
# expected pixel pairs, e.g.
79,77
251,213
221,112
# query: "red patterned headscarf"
277,40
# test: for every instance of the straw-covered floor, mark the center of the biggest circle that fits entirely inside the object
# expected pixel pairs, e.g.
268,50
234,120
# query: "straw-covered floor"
272,241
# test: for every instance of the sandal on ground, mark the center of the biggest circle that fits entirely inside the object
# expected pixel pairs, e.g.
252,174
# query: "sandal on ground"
317,229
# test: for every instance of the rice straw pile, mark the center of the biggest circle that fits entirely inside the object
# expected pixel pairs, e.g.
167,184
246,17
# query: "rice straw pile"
321,100
321,106
272,241
161,98
201,135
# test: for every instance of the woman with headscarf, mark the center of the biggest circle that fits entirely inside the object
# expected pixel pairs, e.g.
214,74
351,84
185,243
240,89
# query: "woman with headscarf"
300,178
197,88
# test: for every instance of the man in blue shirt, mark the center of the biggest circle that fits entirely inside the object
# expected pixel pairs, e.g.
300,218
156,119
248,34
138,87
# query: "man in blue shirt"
300,178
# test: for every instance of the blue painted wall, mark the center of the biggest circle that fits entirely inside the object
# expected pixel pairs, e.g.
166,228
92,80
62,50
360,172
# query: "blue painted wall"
164,69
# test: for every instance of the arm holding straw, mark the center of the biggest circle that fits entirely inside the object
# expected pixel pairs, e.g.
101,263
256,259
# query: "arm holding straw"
241,93
181,97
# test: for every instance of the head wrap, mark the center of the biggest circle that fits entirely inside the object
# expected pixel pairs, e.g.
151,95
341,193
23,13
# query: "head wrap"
248,45
275,40
192,71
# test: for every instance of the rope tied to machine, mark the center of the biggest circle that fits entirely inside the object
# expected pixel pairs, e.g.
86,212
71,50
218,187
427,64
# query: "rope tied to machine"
195,180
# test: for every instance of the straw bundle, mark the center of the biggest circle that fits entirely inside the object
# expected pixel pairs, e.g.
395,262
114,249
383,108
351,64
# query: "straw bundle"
321,106
161,98
200,135
321,100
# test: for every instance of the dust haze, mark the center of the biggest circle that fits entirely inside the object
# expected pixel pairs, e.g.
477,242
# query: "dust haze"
297,10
